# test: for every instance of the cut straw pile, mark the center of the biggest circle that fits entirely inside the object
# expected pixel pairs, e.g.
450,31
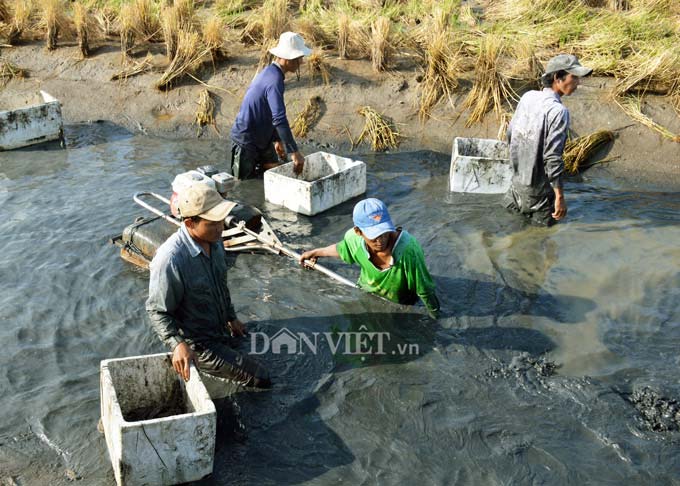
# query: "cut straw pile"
307,117
134,69
378,131
632,106
205,113
318,66
579,150
191,54
442,69
9,71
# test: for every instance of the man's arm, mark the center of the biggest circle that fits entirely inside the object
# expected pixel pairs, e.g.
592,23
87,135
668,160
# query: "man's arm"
280,122
425,287
165,294
313,255
556,138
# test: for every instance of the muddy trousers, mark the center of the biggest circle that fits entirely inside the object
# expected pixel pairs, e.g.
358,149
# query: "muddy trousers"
248,163
536,205
217,358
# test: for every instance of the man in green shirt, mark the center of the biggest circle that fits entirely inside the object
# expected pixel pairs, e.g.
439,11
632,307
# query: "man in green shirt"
391,260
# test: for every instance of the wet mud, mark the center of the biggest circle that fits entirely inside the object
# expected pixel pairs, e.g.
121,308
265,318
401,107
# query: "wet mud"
656,412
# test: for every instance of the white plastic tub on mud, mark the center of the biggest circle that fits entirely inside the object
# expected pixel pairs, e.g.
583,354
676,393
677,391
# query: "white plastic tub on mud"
326,181
31,125
159,430
480,165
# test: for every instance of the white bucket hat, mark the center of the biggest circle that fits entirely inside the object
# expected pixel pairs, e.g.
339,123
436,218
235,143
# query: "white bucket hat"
291,46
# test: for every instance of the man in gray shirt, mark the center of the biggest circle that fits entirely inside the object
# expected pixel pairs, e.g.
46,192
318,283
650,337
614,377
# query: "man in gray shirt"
537,134
189,303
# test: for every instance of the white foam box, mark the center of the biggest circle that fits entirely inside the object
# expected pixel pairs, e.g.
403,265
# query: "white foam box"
480,165
172,449
31,125
326,181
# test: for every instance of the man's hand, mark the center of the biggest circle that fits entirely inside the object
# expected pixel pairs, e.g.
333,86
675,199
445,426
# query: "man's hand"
237,328
280,150
560,205
182,357
308,255
298,162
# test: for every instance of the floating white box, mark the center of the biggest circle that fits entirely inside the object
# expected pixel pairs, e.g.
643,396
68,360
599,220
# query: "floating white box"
156,451
326,181
480,165
31,125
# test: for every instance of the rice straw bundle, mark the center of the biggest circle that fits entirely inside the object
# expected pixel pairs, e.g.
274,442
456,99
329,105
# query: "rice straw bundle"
190,55
378,130
343,34
319,66
146,20
632,107
275,15
137,67
381,49
504,125
266,57
171,24
307,117
21,20
581,149
205,113
213,38
52,19
126,19
9,71
491,87
81,20
106,18
442,70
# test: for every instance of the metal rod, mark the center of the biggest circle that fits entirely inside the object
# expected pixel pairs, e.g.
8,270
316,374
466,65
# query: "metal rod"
274,246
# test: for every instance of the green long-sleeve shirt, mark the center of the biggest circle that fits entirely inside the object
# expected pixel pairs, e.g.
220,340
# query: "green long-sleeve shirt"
405,281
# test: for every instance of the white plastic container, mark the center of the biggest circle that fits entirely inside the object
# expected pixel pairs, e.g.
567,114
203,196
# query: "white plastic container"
31,125
326,181
156,451
480,165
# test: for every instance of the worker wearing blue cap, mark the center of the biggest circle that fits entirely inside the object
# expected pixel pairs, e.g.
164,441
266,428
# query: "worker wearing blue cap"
391,260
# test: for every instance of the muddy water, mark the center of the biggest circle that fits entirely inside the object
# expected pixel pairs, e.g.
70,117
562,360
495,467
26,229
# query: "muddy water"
555,362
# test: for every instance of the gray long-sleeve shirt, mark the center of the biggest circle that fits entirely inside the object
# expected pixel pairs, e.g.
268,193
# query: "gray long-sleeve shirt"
537,134
188,294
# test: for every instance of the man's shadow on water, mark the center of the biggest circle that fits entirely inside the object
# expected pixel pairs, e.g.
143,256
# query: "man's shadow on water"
285,435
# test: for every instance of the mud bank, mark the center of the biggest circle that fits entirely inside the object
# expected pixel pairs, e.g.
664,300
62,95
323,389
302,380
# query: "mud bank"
639,156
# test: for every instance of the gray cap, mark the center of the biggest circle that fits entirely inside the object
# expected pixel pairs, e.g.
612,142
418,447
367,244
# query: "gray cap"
568,63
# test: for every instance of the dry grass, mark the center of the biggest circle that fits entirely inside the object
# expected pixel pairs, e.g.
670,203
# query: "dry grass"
20,21
146,20
83,25
205,113
213,38
442,70
344,23
381,48
632,106
172,25
126,20
106,19
378,130
579,150
491,88
503,126
318,66
9,71
53,20
5,15
136,68
656,74
467,16
190,55
307,117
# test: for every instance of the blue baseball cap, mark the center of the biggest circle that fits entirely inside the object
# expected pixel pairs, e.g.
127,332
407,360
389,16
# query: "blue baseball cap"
372,218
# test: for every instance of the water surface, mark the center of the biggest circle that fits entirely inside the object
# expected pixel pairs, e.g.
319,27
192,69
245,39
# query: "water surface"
597,295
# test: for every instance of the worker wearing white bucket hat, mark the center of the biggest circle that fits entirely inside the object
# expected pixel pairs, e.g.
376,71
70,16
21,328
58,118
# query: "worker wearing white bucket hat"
261,133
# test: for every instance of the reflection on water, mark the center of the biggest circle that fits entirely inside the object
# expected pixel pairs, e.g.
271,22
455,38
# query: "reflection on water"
597,295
